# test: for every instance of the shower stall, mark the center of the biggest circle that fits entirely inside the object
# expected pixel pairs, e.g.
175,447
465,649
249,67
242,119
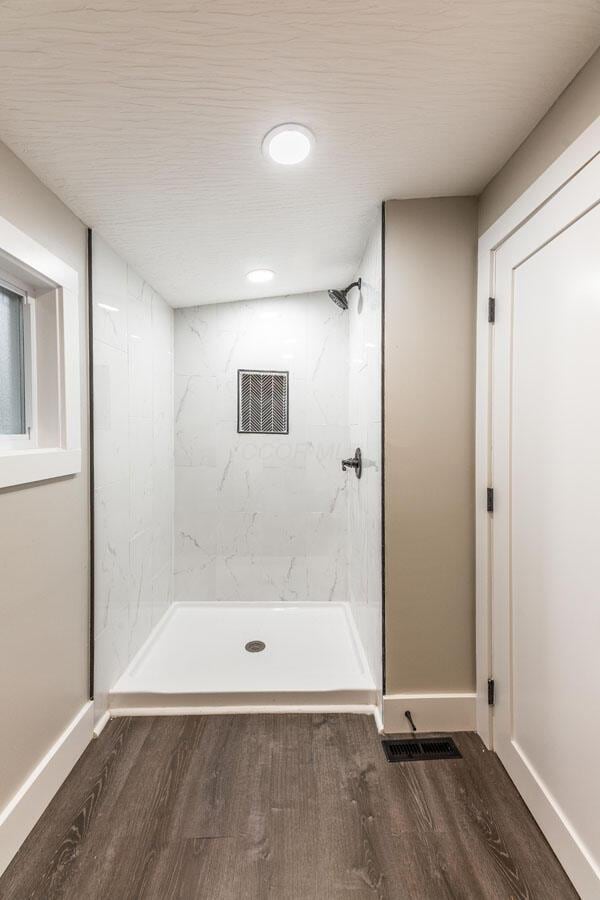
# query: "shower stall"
237,554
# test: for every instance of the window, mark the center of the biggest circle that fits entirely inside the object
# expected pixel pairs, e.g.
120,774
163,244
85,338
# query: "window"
40,427
12,365
18,388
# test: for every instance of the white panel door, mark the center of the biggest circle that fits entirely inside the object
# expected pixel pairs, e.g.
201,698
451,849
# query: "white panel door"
546,521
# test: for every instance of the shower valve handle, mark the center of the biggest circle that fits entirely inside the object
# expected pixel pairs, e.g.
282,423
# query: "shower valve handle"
354,463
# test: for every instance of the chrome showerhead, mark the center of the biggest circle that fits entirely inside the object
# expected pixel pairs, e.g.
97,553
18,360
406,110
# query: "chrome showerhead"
340,298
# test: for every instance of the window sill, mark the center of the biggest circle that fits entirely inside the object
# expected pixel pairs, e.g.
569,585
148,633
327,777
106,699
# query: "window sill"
27,466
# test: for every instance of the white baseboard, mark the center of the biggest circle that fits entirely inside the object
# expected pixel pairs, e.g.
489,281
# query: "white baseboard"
430,712
377,715
22,812
101,723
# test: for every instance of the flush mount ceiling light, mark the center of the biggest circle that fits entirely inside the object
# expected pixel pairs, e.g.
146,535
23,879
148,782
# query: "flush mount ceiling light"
259,276
288,144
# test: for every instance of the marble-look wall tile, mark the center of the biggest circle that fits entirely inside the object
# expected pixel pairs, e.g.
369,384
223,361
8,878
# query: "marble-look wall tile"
194,341
139,327
140,474
140,592
195,558
111,552
364,497
111,414
195,420
162,592
328,576
262,578
263,496
110,297
162,517
134,469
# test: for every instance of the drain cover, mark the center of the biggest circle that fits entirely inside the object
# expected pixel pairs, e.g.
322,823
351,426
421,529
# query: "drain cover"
255,646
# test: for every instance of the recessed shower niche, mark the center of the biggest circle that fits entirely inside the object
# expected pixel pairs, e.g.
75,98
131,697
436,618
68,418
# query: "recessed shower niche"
273,541
263,402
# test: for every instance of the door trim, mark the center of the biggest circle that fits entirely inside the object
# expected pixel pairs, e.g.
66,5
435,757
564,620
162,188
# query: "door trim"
574,158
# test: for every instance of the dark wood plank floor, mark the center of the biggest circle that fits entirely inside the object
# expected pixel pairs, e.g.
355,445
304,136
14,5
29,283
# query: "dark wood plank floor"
289,807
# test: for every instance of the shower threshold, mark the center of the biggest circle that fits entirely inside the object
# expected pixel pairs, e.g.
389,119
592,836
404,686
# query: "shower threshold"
208,657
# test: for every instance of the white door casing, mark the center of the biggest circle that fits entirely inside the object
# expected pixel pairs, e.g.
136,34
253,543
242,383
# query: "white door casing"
574,159
545,540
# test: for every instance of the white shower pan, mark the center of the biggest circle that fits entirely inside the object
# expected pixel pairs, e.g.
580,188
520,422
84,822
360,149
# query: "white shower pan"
196,660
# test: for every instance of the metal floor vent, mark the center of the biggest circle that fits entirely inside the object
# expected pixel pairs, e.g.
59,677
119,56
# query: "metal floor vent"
415,749
262,402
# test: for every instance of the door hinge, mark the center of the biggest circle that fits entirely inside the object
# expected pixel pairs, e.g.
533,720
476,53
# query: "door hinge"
491,691
490,500
492,309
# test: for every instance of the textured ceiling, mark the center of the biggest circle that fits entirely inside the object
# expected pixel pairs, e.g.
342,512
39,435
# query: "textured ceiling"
146,118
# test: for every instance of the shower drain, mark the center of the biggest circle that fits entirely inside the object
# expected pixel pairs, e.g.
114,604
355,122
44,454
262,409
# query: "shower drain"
255,646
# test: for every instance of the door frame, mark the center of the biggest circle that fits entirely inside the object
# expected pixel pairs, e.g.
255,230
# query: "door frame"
568,164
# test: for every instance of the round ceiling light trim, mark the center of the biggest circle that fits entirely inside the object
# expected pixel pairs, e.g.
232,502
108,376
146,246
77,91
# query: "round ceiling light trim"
288,144
260,276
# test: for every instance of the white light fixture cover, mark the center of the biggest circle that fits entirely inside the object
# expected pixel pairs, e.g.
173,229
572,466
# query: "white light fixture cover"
288,144
259,276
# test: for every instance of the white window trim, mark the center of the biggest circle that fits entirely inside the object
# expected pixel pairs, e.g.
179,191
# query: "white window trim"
26,465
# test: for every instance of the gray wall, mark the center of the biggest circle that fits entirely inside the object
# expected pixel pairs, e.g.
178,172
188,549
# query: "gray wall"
429,444
576,108
430,365
44,540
